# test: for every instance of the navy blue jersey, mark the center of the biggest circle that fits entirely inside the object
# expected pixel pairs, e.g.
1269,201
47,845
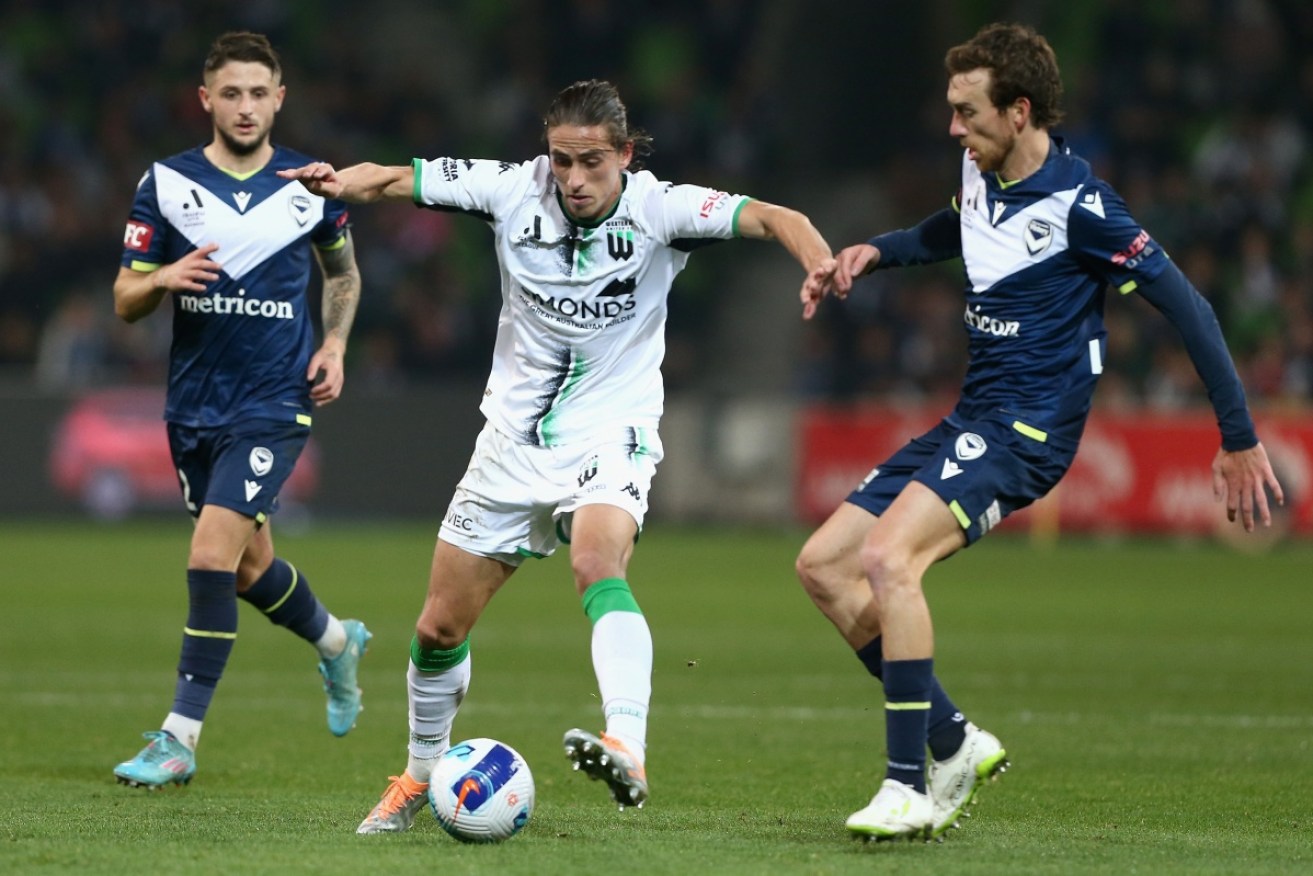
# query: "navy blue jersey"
241,348
1038,254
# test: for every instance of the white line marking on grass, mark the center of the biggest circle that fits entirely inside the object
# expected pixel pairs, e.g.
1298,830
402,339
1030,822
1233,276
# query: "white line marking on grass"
718,712
1243,722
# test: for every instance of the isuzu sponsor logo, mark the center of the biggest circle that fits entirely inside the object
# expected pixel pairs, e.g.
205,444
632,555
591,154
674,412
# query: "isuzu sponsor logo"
1135,253
714,201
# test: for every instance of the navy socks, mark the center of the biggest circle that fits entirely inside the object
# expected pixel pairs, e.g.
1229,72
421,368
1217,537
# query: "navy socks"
285,597
207,640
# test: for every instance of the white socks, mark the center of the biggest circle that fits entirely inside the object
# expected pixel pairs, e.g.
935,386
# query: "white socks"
434,699
622,659
333,642
185,730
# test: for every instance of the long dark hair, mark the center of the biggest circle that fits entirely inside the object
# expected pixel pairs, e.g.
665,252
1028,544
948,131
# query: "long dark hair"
595,102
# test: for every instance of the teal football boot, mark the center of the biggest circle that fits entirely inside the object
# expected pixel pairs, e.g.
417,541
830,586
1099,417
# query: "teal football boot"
340,679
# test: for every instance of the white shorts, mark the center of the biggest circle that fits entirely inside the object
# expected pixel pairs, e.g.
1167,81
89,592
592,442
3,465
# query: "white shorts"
516,500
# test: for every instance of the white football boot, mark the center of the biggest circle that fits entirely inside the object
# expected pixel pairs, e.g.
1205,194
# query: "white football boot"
897,811
954,782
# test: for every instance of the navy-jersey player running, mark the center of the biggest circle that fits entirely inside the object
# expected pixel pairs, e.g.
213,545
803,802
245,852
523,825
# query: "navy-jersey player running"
1041,239
217,232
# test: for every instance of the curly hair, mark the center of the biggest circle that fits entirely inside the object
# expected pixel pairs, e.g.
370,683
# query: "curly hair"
1022,64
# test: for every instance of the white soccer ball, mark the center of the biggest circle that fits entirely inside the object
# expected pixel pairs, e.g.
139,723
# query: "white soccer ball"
481,791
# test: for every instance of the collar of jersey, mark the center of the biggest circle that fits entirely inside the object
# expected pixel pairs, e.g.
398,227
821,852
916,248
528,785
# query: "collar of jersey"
1056,147
237,175
241,177
624,184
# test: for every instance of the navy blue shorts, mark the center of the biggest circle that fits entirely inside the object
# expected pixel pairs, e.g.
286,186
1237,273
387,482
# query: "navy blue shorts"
241,466
983,470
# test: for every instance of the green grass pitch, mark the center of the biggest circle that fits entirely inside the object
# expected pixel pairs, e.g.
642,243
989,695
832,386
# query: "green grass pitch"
1156,699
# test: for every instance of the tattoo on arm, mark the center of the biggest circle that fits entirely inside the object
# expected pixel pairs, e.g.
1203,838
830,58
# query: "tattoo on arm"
341,289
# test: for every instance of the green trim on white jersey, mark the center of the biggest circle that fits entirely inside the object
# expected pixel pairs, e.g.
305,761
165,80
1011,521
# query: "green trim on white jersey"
581,334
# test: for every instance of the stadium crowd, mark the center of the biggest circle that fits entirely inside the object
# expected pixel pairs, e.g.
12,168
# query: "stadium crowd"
1197,111
1199,114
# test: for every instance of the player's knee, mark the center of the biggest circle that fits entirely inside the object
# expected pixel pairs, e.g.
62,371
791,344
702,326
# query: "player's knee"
826,579
591,566
810,570
208,558
886,566
440,635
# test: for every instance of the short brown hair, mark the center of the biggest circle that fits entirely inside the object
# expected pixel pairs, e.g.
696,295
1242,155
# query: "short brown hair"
242,45
596,102
1022,64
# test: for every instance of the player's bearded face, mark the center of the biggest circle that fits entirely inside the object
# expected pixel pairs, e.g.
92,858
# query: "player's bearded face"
242,98
588,169
982,128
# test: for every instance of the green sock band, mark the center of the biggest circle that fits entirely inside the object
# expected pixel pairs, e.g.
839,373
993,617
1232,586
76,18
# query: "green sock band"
607,595
434,659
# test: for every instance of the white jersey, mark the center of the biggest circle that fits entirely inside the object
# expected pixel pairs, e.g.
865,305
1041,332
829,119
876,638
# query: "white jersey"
581,335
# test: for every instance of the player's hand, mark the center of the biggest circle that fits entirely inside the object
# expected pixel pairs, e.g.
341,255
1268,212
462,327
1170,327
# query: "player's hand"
854,261
1239,478
319,178
819,282
189,273
326,373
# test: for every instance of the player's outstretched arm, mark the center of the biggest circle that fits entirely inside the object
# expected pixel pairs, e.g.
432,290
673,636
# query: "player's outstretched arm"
358,184
138,293
1239,479
341,296
762,221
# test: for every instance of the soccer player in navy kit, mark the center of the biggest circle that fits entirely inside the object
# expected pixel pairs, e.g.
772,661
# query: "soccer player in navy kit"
216,231
1041,239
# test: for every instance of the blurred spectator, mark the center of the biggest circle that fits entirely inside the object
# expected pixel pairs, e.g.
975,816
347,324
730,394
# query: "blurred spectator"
1205,118
1198,111
71,351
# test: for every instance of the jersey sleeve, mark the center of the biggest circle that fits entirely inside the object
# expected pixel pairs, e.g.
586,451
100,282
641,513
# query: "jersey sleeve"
144,236
688,212
937,238
330,233
473,186
1102,231
1173,295
1104,235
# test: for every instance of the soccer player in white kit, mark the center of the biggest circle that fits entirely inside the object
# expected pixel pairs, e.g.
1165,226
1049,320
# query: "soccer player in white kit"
588,248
